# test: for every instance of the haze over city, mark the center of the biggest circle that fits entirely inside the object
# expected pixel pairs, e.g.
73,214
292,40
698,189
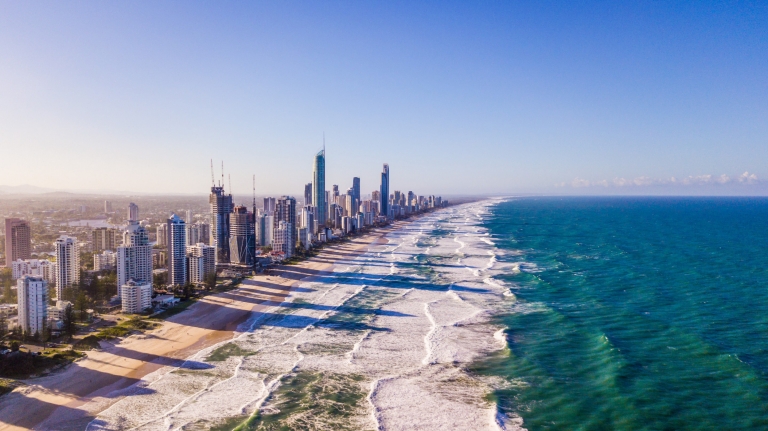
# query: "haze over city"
459,98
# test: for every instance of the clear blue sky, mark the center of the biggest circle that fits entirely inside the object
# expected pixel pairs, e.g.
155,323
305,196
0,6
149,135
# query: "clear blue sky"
464,97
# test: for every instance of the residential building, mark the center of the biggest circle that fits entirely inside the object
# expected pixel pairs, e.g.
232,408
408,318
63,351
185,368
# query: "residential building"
308,194
162,235
136,296
67,264
283,240
108,207
103,238
318,188
193,234
18,240
134,257
204,230
264,226
202,262
285,212
34,268
32,299
177,251
106,260
133,212
221,207
269,205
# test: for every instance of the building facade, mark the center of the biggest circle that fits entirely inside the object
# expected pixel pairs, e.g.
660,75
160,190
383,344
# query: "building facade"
221,207
177,251
318,188
18,240
133,212
384,191
67,264
32,299
242,241
103,238
134,257
202,262
136,296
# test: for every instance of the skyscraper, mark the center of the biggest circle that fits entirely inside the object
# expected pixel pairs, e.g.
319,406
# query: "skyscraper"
18,243
221,206
308,194
242,244
108,207
264,228
384,191
67,264
133,212
32,300
318,188
356,189
269,205
134,257
284,235
177,251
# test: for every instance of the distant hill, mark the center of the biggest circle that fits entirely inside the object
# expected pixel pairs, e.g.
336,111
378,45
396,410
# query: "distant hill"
24,189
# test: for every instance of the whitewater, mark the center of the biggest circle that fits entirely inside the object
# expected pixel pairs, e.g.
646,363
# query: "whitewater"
382,342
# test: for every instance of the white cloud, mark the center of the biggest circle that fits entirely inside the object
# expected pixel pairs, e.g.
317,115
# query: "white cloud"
698,180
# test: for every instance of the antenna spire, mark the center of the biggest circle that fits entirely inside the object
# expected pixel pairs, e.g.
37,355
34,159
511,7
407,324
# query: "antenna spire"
230,183
213,182
254,193
323,143
222,174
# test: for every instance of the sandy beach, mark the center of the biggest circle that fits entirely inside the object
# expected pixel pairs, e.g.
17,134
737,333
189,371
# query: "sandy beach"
373,334
54,402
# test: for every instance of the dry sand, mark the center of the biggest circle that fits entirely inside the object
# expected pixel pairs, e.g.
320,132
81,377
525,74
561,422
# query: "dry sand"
52,402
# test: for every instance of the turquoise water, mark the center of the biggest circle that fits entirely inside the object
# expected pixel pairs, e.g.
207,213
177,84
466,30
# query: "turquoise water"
635,313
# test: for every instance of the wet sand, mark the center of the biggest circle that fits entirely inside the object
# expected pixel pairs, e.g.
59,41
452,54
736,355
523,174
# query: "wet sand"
53,402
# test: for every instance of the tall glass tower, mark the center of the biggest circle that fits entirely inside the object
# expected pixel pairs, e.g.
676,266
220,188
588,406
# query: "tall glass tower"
318,187
384,191
221,207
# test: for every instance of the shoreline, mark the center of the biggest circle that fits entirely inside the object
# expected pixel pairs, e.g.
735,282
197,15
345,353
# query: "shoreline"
56,399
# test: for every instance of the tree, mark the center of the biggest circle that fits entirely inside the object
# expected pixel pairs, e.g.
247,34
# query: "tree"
81,304
210,280
159,280
3,325
68,321
14,346
9,295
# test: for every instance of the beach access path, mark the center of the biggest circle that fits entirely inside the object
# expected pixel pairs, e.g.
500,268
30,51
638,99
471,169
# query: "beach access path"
54,402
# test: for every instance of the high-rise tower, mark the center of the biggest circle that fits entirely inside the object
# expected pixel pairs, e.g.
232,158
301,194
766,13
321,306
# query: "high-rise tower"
18,242
177,251
221,207
356,188
134,257
242,243
318,187
384,190
67,264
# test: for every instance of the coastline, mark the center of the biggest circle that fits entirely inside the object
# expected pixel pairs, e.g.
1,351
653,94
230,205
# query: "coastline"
58,400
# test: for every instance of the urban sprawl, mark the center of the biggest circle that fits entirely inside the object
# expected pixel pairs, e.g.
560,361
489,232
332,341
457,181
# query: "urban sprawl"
140,266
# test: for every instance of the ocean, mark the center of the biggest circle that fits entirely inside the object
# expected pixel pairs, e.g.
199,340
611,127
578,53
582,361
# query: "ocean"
506,314
633,313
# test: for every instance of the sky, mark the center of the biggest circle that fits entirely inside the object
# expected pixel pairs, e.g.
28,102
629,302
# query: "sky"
458,97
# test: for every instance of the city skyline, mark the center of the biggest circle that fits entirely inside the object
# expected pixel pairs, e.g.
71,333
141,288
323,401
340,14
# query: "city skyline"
509,98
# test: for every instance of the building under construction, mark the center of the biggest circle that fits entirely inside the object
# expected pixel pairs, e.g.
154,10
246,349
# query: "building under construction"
242,241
